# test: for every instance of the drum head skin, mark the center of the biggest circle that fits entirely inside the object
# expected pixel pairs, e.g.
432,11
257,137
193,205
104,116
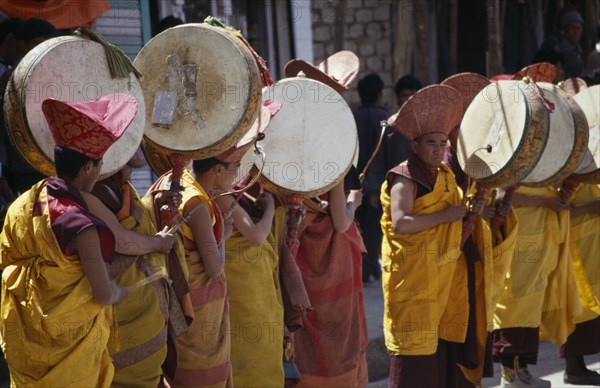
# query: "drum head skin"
310,144
503,133
589,101
72,69
202,88
567,140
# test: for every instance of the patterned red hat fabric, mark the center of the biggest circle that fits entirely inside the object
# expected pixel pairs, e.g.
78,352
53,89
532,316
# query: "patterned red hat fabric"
433,109
538,72
574,85
337,71
237,152
468,85
502,77
90,127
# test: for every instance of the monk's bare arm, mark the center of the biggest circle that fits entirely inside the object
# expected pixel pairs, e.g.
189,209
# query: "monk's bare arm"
553,203
201,224
87,246
590,207
342,209
128,241
258,232
404,221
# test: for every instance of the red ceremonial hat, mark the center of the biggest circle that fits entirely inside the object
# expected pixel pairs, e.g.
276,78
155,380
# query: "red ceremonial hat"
337,71
268,109
538,72
574,85
90,127
502,77
468,85
433,109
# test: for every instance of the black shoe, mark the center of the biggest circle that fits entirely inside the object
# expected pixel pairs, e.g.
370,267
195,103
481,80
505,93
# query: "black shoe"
589,377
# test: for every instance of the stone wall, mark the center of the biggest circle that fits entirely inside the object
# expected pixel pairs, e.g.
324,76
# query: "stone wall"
362,26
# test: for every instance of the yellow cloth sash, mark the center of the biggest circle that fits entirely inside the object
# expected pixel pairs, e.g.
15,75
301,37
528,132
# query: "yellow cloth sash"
540,288
142,317
419,272
256,308
52,331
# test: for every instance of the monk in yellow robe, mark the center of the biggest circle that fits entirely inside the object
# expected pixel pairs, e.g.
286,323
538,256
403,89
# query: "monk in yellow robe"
424,274
55,314
162,203
256,307
540,290
585,245
138,345
252,269
204,351
487,257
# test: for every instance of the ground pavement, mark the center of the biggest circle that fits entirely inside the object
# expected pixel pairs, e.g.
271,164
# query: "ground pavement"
549,366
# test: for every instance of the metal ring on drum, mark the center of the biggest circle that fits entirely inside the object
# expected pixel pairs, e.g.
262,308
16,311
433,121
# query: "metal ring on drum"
71,69
202,86
567,140
310,144
503,133
588,170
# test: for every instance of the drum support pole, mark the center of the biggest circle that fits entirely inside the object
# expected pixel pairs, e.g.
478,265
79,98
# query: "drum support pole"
295,213
498,220
567,189
469,220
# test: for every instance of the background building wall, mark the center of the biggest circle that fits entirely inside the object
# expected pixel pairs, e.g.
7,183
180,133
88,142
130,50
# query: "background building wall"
361,26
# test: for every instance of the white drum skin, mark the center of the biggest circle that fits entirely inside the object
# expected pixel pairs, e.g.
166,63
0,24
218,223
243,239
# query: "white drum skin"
310,144
71,69
216,105
567,140
503,133
589,169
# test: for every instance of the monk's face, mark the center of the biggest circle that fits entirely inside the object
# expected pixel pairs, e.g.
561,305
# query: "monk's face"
228,174
430,148
91,172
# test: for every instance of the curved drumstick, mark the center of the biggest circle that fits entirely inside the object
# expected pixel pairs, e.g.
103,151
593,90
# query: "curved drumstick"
160,274
187,216
362,175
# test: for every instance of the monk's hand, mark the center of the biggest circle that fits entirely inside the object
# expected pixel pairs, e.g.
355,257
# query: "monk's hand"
477,205
454,213
165,240
120,292
356,197
488,212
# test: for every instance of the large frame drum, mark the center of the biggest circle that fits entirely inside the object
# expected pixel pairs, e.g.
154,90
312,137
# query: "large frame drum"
503,133
203,89
310,144
567,140
589,169
72,69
